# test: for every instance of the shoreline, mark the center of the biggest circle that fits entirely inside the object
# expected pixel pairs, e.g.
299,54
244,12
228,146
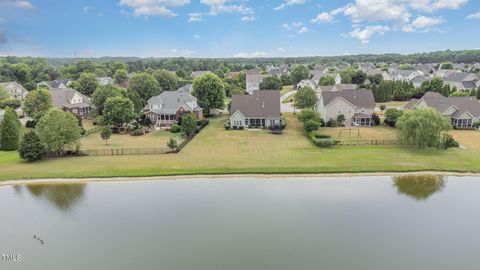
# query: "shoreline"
221,176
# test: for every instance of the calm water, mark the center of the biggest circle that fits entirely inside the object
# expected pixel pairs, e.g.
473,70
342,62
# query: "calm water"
342,223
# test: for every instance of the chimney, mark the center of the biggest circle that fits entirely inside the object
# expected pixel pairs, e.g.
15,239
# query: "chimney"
263,104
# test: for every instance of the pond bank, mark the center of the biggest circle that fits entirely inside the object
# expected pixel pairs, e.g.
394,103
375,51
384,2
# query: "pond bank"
221,176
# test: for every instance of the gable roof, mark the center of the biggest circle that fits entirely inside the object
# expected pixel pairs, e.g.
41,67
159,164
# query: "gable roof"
338,87
14,86
170,101
360,98
62,98
186,88
263,103
441,103
56,83
457,77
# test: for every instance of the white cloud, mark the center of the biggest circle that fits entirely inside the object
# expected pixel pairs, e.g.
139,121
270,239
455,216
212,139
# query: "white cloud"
281,50
195,17
195,36
87,9
247,19
378,10
422,23
18,4
303,30
364,35
225,6
323,17
286,27
290,3
474,16
154,7
256,54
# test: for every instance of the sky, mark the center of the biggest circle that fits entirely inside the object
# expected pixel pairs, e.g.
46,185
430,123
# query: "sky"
235,28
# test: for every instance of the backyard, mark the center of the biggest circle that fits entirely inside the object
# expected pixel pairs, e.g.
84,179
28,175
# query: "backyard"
218,151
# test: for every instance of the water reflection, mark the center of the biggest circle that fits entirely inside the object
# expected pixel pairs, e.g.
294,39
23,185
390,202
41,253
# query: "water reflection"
419,187
63,196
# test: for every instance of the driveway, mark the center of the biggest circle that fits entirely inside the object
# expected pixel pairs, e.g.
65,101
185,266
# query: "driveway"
287,107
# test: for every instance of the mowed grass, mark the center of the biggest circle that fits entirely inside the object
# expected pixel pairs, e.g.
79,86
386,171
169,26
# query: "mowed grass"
157,139
393,104
286,89
217,151
382,132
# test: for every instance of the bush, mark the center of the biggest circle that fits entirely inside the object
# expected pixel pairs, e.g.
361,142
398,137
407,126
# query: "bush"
31,149
448,142
31,124
227,125
375,119
311,125
241,127
175,128
324,143
309,114
137,132
322,136
331,123
391,116
10,102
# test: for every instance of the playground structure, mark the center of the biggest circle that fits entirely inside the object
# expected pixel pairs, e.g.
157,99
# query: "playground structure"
350,131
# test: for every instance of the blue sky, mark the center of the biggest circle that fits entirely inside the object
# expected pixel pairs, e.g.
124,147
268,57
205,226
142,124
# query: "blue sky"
241,28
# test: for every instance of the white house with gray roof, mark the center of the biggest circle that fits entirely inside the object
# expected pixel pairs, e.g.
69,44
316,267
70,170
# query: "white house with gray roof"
167,108
463,112
71,101
462,81
357,106
253,82
57,84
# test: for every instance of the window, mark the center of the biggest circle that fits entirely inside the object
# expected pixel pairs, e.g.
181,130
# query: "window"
272,123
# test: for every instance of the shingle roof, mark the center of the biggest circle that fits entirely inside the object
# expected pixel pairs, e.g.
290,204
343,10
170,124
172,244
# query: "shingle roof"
263,103
170,101
256,78
456,77
62,97
359,98
420,79
441,103
56,83
186,88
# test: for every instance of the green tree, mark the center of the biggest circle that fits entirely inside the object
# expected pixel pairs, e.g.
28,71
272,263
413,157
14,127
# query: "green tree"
436,85
271,83
326,80
422,127
210,92
120,76
22,72
58,131
358,77
103,92
118,111
375,79
447,65
459,94
87,83
299,73
4,94
172,144
31,148
167,80
136,100
37,103
189,124
305,98
145,85
309,114
9,130
106,133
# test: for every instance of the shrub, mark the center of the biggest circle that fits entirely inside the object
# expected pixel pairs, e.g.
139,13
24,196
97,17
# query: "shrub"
324,143
311,125
227,125
175,128
31,149
172,144
448,142
391,116
137,132
309,114
331,123
375,119
340,119
383,107
10,102
241,127
322,136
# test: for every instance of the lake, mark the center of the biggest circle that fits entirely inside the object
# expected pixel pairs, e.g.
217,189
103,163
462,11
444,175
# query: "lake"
361,223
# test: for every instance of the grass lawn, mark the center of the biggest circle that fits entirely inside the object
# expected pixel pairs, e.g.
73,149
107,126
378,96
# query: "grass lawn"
157,139
382,132
217,151
393,104
286,89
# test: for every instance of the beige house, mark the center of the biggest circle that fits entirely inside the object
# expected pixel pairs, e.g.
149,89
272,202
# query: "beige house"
253,82
463,112
71,101
16,90
259,110
357,106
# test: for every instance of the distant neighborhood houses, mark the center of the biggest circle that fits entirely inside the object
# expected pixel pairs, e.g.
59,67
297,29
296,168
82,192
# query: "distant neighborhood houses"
462,111
72,101
167,108
253,82
57,84
16,90
105,80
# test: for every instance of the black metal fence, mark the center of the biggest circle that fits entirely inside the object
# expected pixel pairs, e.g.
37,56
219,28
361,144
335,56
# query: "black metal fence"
368,142
124,151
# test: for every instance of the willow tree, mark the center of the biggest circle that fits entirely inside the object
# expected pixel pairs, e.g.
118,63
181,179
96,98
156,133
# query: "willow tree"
422,127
